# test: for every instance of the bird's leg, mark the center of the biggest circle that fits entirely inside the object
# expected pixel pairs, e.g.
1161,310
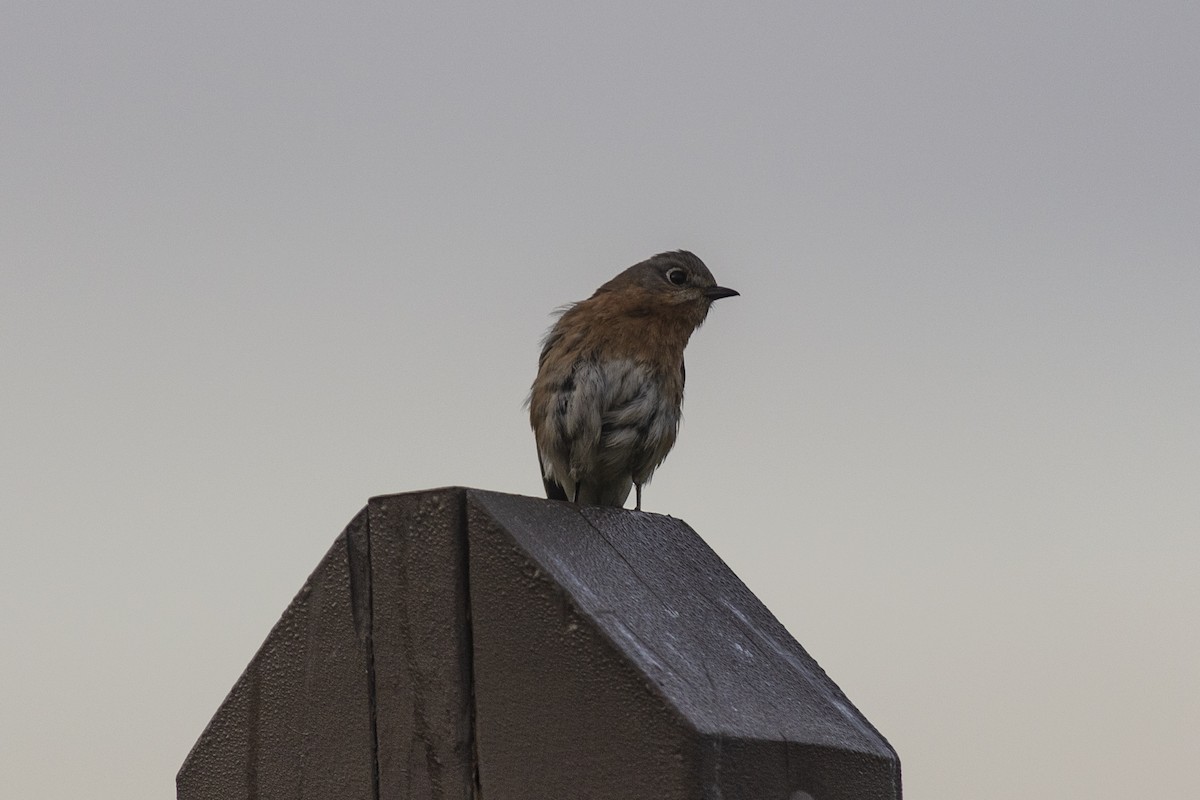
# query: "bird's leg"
575,494
638,505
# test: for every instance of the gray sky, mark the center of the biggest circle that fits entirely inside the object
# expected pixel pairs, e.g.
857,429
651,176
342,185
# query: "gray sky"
260,262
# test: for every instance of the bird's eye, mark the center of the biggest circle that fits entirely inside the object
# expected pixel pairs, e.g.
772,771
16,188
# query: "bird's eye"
677,276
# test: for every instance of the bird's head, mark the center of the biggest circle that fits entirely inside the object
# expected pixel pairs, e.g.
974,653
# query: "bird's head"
675,282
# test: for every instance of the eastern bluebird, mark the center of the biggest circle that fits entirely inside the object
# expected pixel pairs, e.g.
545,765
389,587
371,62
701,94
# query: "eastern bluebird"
606,404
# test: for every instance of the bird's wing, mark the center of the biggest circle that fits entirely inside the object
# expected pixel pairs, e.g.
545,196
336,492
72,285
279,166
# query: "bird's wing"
554,489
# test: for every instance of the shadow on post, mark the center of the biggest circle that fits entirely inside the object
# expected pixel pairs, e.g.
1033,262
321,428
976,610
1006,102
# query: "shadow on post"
459,644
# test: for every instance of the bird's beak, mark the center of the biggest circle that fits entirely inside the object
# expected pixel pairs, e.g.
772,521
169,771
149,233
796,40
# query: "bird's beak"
717,292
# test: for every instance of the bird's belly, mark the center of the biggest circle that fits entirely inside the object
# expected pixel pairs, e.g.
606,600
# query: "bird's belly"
612,424
638,422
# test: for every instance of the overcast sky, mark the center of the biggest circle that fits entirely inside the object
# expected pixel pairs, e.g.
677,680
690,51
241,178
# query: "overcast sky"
259,262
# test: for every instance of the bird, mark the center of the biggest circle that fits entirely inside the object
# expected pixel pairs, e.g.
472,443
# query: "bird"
607,401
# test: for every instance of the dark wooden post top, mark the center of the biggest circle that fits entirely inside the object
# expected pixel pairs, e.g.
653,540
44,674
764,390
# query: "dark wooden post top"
458,643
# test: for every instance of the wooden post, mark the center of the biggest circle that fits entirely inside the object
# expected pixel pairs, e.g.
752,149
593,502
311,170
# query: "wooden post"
464,644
